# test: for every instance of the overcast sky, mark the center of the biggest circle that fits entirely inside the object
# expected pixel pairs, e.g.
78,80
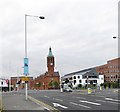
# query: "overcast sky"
79,31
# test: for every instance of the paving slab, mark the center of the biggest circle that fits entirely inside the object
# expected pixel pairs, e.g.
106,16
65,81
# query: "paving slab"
12,101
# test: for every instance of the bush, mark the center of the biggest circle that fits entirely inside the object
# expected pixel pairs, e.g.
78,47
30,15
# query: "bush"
110,84
37,84
101,84
114,85
105,85
79,85
54,84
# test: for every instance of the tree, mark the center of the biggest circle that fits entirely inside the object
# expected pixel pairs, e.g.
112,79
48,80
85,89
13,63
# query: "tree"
54,84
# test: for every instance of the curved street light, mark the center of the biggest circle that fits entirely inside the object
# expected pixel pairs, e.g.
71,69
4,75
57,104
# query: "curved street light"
115,37
26,59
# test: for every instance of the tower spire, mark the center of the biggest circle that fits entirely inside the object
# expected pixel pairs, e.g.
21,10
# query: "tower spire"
50,52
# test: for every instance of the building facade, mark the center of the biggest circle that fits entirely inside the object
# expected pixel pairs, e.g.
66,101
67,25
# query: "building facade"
84,77
44,81
111,70
16,82
4,84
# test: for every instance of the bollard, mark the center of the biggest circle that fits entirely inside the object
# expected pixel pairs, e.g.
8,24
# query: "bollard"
89,90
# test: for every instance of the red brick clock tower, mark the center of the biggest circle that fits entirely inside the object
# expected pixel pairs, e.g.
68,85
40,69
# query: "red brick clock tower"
49,76
50,63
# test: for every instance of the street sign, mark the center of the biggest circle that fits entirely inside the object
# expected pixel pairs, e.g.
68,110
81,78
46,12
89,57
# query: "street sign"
26,67
25,78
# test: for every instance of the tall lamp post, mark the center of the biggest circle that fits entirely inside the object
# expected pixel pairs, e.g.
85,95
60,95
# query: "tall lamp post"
115,37
26,69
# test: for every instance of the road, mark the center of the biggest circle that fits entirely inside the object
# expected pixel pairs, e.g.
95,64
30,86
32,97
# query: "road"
105,100
55,100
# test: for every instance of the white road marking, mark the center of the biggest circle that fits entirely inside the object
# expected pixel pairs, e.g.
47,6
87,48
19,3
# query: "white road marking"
112,99
79,105
58,105
79,97
89,102
113,102
46,96
73,103
100,100
107,101
57,99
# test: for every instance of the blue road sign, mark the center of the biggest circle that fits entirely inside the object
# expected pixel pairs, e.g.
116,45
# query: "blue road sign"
26,66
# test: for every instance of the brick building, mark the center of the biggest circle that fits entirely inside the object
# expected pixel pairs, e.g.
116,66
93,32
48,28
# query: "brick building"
15,80
43,81
111,70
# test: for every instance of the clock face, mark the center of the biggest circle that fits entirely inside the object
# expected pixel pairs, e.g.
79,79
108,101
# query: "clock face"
51,63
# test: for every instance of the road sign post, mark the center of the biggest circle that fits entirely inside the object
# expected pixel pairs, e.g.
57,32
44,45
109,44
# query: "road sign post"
26,76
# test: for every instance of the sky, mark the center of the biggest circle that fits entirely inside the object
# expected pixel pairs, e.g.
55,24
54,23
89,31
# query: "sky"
79,32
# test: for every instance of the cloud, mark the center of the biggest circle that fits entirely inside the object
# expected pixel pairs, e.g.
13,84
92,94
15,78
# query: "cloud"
79,31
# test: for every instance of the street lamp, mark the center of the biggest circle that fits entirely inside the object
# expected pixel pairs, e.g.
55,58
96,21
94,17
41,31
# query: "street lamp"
115,37
26,70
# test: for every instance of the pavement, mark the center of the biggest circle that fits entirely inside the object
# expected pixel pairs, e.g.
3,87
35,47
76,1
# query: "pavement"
0,102
16,101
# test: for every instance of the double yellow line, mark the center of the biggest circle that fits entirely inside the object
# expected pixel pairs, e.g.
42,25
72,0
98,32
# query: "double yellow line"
50,108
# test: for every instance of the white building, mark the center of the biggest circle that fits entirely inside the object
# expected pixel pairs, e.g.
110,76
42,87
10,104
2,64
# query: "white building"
3,84
84,77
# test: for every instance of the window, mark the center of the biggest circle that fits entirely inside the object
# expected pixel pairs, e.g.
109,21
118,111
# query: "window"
74,77
78,77
74,82
95,81
1,83
80,81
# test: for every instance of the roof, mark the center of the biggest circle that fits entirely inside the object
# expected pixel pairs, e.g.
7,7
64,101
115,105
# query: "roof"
92,72
84,73
50,53
81,72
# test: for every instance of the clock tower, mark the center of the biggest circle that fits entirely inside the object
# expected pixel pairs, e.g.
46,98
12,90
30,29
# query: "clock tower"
50,63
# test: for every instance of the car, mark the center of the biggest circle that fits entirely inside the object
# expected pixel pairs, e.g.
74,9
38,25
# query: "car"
67,89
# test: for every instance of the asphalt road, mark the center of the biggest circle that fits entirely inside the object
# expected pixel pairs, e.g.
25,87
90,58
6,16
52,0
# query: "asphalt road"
76,100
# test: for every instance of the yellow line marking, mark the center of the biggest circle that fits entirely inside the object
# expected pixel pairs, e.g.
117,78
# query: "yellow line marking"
52,109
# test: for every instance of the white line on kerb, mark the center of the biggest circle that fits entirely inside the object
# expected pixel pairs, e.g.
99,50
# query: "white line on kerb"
79,105
90,102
